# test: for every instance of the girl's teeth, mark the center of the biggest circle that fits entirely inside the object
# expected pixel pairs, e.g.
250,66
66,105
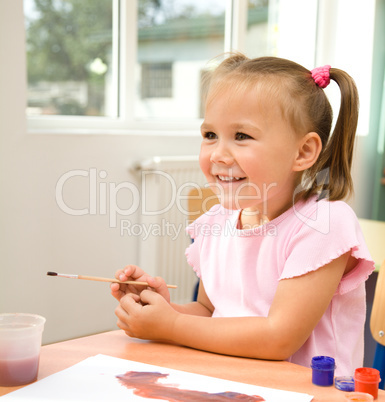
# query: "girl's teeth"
226,178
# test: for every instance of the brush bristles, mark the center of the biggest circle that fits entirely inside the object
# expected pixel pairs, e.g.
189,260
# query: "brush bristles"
52,273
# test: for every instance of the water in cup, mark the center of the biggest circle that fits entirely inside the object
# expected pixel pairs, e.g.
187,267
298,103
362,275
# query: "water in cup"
20,342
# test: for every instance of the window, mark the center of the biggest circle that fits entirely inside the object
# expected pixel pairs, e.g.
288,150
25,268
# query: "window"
119,64
102,65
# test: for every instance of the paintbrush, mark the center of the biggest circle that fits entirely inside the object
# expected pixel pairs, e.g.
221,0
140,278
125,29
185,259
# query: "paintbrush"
98,278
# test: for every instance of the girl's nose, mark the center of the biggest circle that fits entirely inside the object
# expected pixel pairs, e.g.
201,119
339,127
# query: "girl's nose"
222,154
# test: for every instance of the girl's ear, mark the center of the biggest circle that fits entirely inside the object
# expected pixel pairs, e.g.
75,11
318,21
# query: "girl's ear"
309,149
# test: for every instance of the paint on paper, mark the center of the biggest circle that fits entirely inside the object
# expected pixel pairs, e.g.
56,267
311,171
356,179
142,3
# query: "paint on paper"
146,385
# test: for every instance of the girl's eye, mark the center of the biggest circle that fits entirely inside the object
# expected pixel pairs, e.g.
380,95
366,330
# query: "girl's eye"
242,136
209,135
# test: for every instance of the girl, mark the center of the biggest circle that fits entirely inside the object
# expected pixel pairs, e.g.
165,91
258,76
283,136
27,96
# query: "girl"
282,260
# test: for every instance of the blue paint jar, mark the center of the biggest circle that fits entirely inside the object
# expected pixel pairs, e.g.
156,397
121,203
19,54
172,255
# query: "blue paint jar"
323,370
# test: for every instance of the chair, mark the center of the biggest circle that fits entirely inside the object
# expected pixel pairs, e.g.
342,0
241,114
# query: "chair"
374,233
377,324
199,201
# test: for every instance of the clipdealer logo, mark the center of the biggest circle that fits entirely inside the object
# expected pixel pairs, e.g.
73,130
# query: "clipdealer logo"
103,197
103,200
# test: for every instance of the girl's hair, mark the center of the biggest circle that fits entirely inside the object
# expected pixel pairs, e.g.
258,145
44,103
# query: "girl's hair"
306,108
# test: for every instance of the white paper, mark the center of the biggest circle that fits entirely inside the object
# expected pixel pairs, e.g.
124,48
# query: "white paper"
94,379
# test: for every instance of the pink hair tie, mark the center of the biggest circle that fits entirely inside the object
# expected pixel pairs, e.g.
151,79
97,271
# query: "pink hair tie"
321,76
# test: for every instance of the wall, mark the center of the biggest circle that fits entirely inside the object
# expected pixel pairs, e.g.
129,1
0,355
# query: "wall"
36,235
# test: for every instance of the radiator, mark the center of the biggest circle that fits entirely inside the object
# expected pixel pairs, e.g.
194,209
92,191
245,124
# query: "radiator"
165,183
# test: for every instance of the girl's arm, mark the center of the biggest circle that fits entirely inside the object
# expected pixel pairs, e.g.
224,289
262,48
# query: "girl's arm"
297,307
202,307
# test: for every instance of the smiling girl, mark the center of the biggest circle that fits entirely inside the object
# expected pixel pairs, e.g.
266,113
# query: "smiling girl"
284,277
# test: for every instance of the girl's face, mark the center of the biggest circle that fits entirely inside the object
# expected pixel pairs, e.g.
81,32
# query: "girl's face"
248,153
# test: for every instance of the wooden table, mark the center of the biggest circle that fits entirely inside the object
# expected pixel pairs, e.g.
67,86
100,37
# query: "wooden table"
281,375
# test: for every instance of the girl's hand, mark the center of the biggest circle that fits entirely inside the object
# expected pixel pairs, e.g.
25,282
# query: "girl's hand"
134,273
146,316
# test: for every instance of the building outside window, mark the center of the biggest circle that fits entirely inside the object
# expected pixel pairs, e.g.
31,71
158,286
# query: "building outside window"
156,80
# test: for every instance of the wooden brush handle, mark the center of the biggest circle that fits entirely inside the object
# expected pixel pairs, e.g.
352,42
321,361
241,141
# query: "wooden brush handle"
100,279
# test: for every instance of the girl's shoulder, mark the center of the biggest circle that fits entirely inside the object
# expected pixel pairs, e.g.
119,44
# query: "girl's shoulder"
319,214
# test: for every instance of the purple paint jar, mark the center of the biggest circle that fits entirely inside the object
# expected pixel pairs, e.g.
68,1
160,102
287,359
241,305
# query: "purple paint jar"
323,370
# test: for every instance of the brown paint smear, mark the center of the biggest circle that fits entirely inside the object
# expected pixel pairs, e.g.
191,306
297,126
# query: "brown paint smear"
145,384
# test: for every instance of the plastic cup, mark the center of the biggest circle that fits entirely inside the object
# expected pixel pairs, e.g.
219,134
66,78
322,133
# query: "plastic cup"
20,342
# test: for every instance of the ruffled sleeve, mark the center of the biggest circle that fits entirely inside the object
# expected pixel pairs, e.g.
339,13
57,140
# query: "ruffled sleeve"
330,231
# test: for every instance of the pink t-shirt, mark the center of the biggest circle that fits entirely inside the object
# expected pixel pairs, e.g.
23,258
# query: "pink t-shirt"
241,269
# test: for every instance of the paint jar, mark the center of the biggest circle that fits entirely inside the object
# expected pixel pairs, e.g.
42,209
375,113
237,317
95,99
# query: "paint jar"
20,342
366,380
344,383
358,397
323,370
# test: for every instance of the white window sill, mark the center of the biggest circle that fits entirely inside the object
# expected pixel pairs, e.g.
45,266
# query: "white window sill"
105,126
